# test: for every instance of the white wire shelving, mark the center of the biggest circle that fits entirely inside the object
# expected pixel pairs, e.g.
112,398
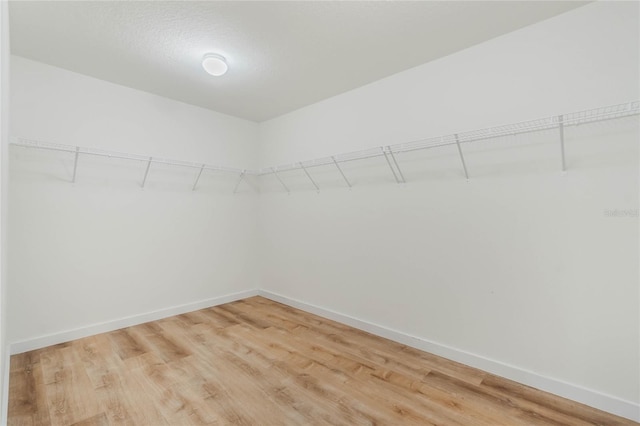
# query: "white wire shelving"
148,160
558,122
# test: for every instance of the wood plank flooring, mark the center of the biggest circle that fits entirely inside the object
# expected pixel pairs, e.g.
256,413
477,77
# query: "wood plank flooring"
258,362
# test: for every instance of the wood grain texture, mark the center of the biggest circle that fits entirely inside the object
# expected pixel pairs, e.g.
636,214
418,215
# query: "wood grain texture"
258,362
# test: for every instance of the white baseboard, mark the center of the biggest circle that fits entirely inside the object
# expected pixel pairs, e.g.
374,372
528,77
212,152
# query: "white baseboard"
608,403
103,327
604,402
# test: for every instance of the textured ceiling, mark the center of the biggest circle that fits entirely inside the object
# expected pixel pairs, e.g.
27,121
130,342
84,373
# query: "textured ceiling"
281,55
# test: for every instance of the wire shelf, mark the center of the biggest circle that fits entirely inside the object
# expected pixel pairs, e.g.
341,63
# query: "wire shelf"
558,122
548,123
32,143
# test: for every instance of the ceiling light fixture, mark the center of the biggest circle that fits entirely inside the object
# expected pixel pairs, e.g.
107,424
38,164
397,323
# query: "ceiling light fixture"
214,64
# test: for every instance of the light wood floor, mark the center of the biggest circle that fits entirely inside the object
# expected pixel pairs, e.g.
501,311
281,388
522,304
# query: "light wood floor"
257,362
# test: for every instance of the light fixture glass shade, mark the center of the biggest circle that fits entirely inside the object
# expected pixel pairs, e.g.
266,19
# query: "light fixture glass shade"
214,64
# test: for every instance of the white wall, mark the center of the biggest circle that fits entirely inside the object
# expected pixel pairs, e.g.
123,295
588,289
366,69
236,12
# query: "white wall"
582,59
520,265
103,248
4,183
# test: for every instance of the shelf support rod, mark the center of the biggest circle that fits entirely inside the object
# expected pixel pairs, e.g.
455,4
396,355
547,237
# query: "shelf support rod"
75,164
198,178
235,189
310,178
393,157
464,165
281,182
561,129
386,157
340,170
146,172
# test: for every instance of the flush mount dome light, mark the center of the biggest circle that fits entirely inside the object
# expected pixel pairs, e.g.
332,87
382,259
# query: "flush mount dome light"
214,64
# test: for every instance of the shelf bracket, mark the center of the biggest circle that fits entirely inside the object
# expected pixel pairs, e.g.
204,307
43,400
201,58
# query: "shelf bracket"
340,170
561,129
310,178
198,178
75,164
281,182
146,172
464,165
393,157
386,157
235,189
